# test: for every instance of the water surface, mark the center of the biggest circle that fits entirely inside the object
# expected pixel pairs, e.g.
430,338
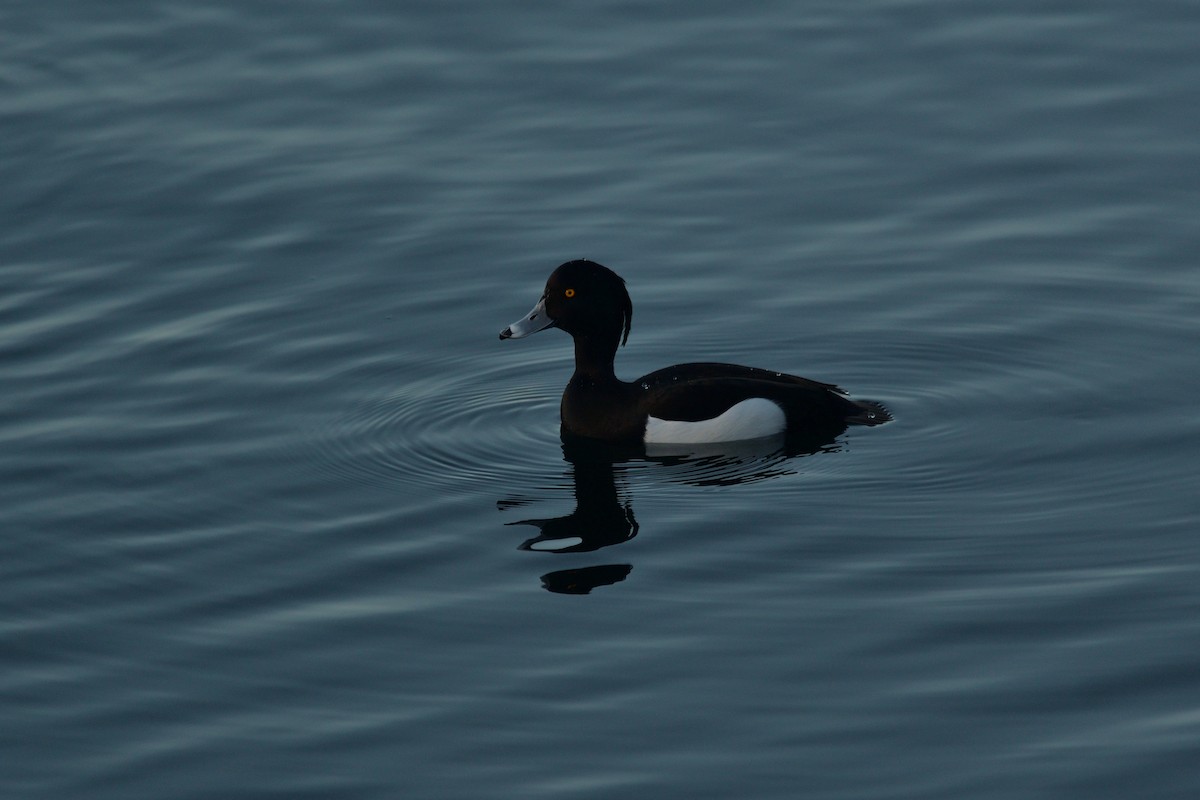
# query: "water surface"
264,463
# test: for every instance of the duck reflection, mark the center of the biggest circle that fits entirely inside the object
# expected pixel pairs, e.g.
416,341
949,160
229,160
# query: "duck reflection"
599,519
583,580
603,513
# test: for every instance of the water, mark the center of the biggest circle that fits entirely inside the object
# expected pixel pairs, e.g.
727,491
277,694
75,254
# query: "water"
264,463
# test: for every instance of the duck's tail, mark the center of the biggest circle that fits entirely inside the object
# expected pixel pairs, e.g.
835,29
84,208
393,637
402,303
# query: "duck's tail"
868,412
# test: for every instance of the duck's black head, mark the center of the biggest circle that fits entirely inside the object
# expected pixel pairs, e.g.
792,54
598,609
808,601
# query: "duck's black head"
583,298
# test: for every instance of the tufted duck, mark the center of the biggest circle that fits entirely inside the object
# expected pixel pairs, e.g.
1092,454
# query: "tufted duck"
683,404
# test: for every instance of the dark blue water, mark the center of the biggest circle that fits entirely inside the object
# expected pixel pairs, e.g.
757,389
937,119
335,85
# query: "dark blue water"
264,463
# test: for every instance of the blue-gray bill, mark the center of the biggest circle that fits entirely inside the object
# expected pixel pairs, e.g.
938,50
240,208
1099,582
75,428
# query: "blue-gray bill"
536,320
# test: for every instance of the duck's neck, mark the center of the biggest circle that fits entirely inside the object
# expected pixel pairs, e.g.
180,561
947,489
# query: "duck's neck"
594,358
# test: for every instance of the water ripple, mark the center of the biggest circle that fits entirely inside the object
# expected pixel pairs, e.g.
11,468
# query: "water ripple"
475,431
459,433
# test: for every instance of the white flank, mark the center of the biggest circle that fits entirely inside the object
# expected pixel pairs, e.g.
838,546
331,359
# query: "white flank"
749,419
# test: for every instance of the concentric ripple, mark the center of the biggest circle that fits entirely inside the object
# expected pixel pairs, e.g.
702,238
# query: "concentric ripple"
463,432
487,430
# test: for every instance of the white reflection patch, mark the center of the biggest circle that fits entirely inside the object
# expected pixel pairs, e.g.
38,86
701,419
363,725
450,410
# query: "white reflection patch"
556,544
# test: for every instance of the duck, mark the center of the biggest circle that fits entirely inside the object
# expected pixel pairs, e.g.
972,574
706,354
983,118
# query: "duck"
695,403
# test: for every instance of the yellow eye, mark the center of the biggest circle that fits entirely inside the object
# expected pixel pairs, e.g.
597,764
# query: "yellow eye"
569,292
